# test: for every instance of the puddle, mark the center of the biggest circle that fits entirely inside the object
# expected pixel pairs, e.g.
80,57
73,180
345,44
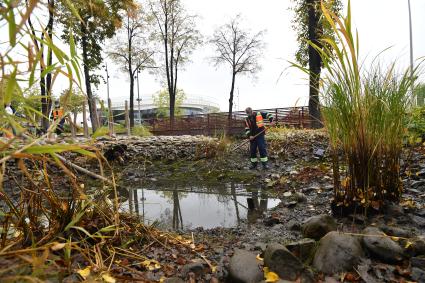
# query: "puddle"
190,207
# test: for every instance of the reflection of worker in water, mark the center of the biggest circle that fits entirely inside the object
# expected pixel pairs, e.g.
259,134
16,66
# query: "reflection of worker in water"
256,207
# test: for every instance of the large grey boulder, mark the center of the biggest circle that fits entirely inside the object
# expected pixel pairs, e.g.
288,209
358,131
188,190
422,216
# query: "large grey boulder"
418,274
418,246
303,248
381,246
245,268
281,261
337,252
318,226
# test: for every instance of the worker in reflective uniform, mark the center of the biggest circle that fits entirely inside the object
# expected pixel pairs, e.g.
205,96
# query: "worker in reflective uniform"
58,115
256,131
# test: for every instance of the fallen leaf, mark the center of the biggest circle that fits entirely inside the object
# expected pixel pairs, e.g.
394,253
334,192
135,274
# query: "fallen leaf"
270,276
57,246
108,278
84,272
351,277
258,257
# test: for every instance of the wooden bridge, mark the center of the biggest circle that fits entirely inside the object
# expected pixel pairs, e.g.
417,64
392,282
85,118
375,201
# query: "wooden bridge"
218,123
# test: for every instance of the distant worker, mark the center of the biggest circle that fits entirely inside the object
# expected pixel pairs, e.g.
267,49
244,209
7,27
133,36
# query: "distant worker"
9,110
256,132
58,115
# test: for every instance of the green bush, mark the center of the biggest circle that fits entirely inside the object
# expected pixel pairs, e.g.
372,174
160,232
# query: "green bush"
416,125
364,113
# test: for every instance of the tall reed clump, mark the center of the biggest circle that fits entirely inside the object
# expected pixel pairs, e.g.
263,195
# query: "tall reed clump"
364,110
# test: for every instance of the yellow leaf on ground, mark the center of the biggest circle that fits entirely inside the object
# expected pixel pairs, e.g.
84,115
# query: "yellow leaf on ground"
395,238
258,257
84,272
408,244
270,276
213,269
108,278
57,246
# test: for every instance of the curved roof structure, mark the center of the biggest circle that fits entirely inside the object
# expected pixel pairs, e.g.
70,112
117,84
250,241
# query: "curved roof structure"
198,104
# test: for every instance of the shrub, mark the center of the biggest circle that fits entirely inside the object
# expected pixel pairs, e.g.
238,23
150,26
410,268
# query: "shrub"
364,114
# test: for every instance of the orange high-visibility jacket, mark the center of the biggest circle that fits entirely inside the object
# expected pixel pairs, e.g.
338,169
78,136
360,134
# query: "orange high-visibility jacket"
254,127
57,113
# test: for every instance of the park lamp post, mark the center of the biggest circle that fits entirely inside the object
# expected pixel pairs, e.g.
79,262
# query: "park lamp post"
110,123
138,95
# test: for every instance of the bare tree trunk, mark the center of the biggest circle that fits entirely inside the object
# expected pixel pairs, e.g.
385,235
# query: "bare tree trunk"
315,65
90,99
231,97
48,99
131,102
229,117
130,71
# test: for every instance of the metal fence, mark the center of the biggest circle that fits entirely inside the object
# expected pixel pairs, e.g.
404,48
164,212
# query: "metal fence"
218,123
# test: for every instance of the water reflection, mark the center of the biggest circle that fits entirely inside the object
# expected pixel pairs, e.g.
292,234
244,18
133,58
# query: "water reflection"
179,207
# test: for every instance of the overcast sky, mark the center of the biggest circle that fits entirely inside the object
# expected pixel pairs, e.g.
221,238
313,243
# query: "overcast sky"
381,24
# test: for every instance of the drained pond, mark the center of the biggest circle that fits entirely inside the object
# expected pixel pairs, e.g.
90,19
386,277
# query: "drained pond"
186,207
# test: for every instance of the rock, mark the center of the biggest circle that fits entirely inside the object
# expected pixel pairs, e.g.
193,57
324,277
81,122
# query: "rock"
307,276
418,246
331,280
317,226
196,267
244,267
337,252
418,220
219,250
299,197
417,184
270,221
294,225
395,231
393,210
420,212
418,262
303,248
358,218
418,275
380,246
281,261
259,246
72,278
174,280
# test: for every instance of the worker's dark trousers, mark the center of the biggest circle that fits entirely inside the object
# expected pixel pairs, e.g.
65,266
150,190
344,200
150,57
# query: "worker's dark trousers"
260,143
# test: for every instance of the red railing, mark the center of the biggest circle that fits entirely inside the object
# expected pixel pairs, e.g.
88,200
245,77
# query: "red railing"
218,123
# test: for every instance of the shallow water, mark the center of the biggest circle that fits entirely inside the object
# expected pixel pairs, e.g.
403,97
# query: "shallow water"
178,207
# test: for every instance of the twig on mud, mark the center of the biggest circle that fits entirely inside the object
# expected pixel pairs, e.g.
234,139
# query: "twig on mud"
83,170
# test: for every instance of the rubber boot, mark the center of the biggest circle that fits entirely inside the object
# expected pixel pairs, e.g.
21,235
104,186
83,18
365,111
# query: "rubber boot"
265,166
253,166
